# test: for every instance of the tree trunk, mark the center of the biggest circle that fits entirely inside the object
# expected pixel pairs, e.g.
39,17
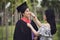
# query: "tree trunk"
16,16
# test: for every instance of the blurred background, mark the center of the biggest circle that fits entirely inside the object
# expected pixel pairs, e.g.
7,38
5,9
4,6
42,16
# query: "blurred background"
9,15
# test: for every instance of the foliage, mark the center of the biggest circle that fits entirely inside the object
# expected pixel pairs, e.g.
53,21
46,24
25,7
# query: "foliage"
54,4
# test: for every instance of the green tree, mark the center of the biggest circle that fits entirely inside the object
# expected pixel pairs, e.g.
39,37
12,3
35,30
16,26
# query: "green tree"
55,4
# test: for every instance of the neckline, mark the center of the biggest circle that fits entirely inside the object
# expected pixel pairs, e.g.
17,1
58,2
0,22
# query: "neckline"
26,20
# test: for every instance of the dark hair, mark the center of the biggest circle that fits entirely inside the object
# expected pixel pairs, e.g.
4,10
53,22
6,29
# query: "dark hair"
51,19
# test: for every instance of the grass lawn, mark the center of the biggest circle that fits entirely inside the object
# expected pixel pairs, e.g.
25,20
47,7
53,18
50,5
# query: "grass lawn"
11,31
3,32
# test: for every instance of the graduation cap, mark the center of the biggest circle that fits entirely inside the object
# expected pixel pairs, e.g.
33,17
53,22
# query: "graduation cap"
21,8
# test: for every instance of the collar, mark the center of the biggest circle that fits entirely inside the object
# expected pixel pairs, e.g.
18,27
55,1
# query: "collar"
26,20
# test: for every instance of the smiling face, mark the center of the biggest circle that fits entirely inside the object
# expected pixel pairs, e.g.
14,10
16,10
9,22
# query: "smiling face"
27,13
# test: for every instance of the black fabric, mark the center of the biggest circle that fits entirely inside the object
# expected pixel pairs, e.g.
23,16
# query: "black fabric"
22,32
21,8
35,27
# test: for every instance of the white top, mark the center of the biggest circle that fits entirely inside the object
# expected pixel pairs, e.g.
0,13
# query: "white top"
45,32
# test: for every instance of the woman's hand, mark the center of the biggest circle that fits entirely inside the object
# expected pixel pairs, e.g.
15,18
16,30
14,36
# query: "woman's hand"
29,25
32,14
35,38
33,30
36,19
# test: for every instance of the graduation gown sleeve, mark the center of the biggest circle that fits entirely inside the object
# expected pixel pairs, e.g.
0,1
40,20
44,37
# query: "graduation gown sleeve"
35,27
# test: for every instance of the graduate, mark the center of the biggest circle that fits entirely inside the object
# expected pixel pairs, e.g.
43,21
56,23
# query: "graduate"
22,32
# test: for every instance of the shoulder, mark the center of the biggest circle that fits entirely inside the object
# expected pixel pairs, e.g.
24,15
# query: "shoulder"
19,22
46,24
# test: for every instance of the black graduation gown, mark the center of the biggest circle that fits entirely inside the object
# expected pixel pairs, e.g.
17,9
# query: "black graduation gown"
22,32
35,27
